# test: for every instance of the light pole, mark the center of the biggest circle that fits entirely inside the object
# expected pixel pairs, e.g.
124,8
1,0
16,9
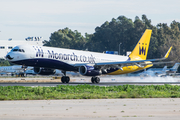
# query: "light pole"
119,47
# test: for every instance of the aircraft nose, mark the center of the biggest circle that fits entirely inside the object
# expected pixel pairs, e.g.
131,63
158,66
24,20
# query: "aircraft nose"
9,57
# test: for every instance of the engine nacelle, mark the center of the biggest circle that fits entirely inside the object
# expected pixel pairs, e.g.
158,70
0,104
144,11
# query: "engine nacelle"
89,71
44,71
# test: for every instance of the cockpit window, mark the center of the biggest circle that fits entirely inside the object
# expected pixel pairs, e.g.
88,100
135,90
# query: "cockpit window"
19,50
15,50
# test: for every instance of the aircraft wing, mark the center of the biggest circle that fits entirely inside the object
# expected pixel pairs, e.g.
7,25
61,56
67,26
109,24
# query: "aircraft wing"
154,63
149,61
127,63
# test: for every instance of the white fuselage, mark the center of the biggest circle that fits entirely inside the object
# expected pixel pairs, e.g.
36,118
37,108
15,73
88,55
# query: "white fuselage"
85,62
67,56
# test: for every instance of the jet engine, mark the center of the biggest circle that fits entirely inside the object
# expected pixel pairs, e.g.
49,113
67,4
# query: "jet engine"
44,71
89,71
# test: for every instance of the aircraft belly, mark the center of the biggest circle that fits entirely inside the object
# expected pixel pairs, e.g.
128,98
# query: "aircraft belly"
48,63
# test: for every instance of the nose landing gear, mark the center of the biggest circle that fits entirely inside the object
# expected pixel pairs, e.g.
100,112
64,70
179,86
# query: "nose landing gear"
65,79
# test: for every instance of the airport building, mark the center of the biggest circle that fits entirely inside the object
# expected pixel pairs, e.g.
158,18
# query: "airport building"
7,45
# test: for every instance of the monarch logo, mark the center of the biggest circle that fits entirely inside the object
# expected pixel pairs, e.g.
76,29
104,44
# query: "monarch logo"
39,53
142,50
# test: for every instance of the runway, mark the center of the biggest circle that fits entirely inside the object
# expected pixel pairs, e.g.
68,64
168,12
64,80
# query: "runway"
105,81
79,83
92,109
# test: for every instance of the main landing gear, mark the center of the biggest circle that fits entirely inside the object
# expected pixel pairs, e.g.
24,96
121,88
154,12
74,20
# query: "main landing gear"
65,79
95,79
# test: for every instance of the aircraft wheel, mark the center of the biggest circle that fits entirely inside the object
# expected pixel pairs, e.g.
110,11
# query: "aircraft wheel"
97,79
93,79
65,79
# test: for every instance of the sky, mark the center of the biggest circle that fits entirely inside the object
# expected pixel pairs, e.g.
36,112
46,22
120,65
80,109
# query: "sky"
20,19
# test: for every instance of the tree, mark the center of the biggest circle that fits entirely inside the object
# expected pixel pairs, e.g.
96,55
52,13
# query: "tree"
110,34
4,63
66,38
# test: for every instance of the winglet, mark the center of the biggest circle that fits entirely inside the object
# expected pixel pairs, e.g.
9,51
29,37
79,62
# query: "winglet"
167,54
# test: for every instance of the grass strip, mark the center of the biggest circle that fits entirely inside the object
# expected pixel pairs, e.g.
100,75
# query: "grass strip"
88,92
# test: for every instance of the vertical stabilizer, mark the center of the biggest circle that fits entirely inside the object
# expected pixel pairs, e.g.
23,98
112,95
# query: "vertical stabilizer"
165,68
175,67
141,49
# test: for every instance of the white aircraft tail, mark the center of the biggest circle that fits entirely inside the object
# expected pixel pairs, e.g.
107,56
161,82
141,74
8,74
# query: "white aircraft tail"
175,67
165,68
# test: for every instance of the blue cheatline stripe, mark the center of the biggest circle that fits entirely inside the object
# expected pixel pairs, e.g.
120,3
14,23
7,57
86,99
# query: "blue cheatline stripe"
49,63
54,64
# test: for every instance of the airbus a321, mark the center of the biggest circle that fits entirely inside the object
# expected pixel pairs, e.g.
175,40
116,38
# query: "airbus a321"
46,59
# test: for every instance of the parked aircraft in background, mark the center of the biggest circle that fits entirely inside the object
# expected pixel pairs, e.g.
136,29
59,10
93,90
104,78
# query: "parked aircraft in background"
161,71
20,71
69,73
13,70
47,59
56,72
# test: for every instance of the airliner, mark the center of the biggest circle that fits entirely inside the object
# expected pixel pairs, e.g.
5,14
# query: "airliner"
47,59
22,71
15,69
56,72
160,72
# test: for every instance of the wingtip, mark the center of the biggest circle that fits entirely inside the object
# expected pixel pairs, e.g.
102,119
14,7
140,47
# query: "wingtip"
168,52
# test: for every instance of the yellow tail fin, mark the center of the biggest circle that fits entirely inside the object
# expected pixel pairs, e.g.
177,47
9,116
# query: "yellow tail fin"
141,49
167,54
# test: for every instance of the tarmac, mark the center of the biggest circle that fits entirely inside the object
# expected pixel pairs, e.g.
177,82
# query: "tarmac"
84,79
92,109
105,81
